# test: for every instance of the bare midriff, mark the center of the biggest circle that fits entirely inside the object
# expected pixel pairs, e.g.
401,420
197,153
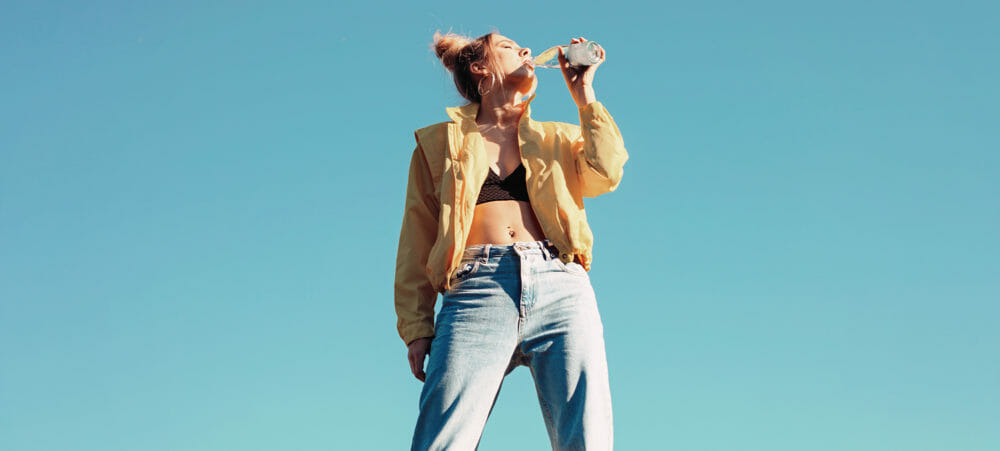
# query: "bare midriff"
504,222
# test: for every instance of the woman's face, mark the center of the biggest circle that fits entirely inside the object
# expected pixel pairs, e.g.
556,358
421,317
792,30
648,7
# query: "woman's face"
513,61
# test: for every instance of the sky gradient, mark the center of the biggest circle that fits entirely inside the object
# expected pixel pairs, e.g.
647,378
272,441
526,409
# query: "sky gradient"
200,204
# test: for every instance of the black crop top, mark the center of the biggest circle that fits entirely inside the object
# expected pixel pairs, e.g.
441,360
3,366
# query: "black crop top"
514,187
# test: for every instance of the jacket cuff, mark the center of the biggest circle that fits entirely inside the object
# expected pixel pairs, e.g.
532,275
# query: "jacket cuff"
415,331
592,110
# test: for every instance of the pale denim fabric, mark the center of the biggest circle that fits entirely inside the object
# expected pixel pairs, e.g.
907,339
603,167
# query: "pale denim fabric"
513,305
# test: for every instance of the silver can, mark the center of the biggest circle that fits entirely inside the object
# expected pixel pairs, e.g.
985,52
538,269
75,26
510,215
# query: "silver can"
583,54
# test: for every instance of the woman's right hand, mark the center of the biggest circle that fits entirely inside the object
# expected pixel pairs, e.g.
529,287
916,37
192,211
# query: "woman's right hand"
417,352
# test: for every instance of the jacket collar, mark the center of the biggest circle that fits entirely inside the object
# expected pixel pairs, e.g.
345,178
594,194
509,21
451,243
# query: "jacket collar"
465,116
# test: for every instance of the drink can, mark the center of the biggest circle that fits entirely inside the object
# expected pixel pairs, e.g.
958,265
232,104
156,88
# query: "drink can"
583,54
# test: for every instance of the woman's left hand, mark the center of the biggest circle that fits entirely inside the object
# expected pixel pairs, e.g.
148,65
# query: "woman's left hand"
580,79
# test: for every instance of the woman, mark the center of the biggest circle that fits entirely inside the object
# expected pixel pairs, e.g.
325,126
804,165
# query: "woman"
494,220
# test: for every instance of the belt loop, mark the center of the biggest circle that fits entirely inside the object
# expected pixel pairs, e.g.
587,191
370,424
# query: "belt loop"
486,252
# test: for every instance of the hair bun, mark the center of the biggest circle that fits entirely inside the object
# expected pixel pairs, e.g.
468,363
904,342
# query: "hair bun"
448,46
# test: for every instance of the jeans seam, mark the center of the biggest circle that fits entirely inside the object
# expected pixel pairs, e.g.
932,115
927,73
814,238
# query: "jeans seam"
546,410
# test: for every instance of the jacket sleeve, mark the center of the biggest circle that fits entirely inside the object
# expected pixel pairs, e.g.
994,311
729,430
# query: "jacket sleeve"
599,152
414,295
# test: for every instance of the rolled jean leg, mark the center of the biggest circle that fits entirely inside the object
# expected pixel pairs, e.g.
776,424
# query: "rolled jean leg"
475,338
567,359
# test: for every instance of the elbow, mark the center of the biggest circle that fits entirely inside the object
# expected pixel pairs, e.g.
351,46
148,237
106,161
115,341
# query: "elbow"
611,167
596,181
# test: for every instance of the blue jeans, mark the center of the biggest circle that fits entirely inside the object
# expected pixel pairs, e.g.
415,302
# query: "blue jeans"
513,305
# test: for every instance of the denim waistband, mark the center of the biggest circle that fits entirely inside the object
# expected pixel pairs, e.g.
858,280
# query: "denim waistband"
545,248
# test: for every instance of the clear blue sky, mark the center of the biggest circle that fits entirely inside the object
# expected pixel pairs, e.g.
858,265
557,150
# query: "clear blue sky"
200,202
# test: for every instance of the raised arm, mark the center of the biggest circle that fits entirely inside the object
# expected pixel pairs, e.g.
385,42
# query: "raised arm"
598,151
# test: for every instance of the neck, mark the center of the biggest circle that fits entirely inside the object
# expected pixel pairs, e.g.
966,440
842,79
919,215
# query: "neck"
501,108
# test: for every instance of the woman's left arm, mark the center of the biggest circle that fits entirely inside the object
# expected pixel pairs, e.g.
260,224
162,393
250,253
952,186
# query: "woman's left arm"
580,79
600,151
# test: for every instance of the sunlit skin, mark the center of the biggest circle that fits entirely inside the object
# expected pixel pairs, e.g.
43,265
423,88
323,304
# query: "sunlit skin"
508,221
504,221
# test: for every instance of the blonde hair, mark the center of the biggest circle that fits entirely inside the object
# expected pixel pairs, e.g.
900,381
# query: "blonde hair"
458,52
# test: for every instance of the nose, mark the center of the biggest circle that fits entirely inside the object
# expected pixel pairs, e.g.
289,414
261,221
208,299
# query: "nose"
525,52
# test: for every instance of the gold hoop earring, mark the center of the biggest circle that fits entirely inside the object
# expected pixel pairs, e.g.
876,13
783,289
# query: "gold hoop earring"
493,82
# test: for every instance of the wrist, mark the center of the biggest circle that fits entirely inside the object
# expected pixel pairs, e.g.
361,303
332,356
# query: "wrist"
584,95
585,98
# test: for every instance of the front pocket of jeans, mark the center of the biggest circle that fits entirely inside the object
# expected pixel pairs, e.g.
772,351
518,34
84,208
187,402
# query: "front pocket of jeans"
465,270
572,267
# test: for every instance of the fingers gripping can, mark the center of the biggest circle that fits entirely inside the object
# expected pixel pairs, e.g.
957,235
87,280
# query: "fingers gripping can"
579,54
583,54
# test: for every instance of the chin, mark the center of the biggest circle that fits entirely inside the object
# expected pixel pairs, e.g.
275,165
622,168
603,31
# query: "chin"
524,72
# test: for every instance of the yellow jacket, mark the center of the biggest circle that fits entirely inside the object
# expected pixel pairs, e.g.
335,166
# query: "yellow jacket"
563,162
